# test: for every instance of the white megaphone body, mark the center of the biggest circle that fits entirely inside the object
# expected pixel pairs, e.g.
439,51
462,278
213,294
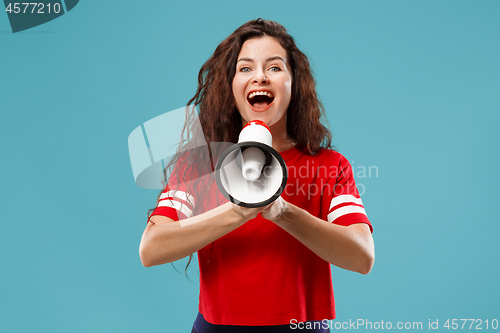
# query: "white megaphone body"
251,173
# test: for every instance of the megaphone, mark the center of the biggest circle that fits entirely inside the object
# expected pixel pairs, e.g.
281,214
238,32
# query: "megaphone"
251,173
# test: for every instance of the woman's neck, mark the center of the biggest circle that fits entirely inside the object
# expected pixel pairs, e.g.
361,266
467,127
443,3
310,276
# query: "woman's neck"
281,139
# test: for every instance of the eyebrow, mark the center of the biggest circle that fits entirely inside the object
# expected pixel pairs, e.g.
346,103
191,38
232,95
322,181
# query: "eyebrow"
267,60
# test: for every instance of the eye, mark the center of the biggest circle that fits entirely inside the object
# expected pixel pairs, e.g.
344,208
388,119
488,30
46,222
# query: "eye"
275,69
245,69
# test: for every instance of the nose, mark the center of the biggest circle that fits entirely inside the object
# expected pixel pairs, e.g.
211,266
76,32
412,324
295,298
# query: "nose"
260,77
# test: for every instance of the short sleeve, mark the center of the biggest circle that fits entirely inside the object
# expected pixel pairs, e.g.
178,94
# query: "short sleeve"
346,207
175,204
176,201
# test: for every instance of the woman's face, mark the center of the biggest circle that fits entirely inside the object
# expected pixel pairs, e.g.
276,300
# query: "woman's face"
263,81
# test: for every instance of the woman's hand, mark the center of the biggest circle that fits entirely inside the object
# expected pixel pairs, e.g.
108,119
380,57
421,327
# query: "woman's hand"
272,212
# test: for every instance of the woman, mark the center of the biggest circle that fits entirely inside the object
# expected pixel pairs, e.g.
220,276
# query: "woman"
262,269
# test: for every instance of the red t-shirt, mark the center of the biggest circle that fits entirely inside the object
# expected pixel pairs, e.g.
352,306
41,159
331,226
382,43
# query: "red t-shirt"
259,274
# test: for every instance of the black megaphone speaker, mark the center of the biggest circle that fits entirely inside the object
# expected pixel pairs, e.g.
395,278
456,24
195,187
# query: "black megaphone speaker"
251,173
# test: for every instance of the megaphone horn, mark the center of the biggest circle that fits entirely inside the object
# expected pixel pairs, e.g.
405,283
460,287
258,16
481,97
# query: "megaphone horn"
251,173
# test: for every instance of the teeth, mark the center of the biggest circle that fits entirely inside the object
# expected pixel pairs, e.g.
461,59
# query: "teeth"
255,93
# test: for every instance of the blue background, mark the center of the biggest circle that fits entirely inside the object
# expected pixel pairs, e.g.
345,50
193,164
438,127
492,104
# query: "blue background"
411,87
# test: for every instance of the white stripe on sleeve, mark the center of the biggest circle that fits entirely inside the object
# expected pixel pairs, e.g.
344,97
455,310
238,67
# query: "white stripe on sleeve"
344,211
177,205
345,198
180,195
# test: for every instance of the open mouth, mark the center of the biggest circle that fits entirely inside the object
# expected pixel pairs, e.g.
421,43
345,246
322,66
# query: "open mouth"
260,100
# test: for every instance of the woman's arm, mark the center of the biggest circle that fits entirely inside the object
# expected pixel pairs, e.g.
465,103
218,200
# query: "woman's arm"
348,247
166,240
